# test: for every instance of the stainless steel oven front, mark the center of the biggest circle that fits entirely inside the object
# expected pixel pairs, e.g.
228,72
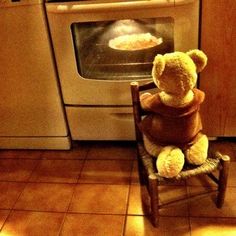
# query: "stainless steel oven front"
101,46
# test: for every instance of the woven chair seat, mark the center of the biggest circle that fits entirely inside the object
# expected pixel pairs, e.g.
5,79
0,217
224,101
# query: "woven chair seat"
209,166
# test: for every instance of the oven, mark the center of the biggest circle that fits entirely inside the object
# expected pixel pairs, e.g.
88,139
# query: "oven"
101,46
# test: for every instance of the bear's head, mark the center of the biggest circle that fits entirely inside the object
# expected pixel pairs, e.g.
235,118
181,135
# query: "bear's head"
176,73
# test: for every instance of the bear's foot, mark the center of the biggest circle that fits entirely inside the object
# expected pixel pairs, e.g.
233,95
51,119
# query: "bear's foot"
170,161
197,153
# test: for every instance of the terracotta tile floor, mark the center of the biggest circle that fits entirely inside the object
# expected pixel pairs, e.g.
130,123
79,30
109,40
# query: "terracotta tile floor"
94,189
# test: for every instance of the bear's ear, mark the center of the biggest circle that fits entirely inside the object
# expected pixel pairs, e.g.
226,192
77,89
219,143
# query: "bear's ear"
158,66
199,58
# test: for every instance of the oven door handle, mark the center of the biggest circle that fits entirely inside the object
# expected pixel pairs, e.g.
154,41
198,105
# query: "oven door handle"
95,6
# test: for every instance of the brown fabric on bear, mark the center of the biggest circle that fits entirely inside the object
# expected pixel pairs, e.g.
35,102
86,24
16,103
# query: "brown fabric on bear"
167,125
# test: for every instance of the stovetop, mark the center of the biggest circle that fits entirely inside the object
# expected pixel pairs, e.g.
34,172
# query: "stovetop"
64,0
59,0
73,0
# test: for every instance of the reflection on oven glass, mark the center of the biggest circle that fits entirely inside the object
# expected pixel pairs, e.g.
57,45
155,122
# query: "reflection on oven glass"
121,50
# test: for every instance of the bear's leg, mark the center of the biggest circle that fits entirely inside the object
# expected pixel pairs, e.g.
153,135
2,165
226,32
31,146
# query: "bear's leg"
197,153
152,148
170,161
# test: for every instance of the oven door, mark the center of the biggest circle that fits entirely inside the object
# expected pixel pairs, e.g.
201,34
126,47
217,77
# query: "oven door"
91,70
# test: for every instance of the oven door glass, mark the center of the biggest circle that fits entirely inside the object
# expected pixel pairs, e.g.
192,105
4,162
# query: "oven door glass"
121,50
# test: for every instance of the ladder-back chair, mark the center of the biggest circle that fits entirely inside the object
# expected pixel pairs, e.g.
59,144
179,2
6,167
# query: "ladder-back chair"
147,169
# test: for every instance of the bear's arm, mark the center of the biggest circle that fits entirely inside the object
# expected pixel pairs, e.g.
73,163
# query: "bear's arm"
148,100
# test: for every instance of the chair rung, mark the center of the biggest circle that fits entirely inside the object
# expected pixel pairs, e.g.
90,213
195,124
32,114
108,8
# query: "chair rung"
200,194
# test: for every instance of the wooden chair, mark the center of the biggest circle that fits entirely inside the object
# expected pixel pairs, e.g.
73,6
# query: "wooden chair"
147,169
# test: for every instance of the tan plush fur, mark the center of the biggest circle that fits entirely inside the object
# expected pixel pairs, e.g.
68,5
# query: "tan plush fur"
175,74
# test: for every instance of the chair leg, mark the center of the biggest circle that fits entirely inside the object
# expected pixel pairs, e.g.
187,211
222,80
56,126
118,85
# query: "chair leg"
153,191
223,177
142,174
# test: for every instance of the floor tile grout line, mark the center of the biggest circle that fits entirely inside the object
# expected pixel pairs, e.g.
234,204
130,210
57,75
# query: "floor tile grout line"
188,207
233,148
34,169
62,224
118,214
12,208
128,196
66,183
124,160
214,217
82,166
73,213
8,216
25,182
78,159
19,196
101,183
73,193
20,158
190,226
58,159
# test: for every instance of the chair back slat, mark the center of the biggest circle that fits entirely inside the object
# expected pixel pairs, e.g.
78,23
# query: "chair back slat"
138,112
136,109
147,86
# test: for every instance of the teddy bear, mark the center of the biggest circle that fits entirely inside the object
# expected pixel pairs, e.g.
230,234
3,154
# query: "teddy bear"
172,128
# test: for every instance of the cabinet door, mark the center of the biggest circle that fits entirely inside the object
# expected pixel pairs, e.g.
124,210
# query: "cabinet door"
30,103
218,80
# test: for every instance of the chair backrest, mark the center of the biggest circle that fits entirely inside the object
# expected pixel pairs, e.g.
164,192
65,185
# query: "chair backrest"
138,112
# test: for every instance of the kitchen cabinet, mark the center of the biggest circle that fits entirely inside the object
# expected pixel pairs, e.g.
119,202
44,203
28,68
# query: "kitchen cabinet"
218,80
31,110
